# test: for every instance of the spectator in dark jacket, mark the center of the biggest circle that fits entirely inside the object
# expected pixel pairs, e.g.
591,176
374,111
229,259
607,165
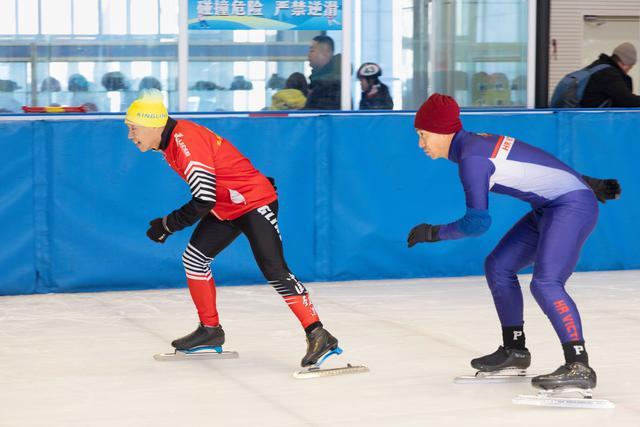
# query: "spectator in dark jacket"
611,86
324,89
375,94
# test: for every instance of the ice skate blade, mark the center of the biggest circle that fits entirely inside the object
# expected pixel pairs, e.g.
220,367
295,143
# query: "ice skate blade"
204,353
497,377
315,372
562,399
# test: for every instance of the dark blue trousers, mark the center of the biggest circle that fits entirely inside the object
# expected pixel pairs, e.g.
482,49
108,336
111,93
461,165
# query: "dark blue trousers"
551,239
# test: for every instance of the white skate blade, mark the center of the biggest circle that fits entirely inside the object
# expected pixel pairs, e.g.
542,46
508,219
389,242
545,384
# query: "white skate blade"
497,377
559,399
315,372
197,355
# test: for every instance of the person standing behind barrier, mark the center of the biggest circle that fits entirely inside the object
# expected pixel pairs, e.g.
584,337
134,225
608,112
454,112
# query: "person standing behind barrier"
612,86
549,237
229,197
375,94
294,94
324,89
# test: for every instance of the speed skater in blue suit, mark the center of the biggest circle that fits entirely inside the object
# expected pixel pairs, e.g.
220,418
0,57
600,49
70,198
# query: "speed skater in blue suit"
549,237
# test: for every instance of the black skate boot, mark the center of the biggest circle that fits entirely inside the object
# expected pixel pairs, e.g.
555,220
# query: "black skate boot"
319,342
503,358
570,375
204,336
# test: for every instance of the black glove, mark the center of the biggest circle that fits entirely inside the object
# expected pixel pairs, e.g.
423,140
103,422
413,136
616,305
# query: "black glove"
158,232
423,233
605,189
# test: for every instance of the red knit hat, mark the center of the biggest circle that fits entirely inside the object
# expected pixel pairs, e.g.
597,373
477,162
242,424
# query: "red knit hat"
439,114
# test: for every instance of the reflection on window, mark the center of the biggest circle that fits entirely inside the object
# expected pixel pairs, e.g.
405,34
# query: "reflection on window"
251,36
504,12
56,16
85,17
87,69
28,17
8,17
169,16
144,17
88,17
141,68
12,95
480,63
59,70
113,12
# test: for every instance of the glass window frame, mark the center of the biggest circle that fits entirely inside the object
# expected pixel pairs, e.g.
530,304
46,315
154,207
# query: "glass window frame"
351,45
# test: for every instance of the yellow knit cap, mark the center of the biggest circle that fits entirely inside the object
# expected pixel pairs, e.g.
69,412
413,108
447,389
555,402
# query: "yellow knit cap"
148,110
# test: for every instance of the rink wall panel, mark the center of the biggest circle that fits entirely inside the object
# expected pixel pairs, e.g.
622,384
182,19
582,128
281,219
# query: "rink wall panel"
18,272
77,197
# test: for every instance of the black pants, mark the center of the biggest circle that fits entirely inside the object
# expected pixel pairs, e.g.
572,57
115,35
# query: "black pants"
260,226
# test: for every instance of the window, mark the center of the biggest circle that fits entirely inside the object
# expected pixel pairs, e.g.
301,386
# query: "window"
56,16
242,70
144,17
86,17
7,17
168,17
28,17
100,53
114,16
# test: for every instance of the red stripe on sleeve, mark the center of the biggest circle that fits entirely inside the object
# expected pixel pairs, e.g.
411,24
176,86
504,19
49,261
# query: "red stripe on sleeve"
497,147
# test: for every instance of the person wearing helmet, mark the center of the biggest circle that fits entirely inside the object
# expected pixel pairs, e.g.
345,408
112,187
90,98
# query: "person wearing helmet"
375,94
229,197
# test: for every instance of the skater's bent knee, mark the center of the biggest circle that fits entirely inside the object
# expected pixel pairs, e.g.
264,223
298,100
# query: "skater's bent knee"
496,267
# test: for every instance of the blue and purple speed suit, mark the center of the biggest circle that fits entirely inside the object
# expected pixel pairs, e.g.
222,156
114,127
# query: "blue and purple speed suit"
550,236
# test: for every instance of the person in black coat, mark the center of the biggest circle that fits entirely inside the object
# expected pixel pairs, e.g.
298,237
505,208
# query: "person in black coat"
612,86
324,89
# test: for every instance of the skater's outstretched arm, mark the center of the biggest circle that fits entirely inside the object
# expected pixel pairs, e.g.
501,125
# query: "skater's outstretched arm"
475,173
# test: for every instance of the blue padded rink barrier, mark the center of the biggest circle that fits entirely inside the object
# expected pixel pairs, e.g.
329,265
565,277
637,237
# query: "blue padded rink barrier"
75,201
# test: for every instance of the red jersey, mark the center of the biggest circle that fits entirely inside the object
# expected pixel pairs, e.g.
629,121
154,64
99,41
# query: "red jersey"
216,171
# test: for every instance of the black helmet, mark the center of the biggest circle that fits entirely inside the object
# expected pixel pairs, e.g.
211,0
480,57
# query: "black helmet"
150,82
369,70
115,80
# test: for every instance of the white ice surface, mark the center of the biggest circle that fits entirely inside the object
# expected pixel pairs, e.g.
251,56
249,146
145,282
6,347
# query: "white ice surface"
86,359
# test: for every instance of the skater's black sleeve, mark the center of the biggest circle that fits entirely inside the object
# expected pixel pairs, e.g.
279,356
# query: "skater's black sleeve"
190,213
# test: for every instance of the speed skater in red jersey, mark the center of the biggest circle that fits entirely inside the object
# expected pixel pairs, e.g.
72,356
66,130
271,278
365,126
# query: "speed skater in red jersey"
229,197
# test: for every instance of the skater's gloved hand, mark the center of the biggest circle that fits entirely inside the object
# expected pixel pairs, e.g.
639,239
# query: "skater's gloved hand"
605,189
158,232
273,182
423,233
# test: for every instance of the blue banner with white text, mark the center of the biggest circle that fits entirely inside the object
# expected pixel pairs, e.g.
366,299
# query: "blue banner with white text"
265,15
